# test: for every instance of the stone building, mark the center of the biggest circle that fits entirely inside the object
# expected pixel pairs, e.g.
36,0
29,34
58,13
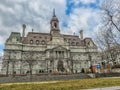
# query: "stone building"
48,52
0,62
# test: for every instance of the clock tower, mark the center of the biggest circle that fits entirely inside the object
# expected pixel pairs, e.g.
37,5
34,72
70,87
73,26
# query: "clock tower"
54,25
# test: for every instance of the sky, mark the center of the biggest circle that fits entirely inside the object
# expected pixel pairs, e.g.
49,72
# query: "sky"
73,15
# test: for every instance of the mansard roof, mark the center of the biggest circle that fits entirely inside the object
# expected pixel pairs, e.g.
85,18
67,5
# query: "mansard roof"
70,36
46,37
15,35
36,36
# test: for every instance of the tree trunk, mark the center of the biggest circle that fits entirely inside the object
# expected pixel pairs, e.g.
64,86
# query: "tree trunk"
30,67
7,68
21,67
13,66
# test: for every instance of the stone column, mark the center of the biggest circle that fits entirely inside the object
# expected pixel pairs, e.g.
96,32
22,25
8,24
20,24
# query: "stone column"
47,54
54,54
68,53
65,55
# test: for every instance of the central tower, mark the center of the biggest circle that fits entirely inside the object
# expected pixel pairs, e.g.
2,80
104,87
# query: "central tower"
54,25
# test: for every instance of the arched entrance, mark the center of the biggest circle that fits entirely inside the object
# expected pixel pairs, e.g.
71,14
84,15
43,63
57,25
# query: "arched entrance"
60,66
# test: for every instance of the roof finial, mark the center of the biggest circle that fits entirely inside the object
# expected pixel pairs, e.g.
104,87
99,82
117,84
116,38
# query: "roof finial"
32,29
54,12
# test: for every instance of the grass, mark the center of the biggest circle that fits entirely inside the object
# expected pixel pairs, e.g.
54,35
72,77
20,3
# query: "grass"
63,85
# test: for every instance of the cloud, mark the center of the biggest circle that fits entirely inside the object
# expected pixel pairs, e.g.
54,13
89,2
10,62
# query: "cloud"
37,14
85,2
88,1
86,19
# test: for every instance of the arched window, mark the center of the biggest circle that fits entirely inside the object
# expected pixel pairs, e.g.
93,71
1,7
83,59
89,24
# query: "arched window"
55,25
74,39
65,39
88,43
73,43
69,43
31,41
77,44
60,66
69,39
37,42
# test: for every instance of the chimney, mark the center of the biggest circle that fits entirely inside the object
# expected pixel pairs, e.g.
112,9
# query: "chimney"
81,34
23,33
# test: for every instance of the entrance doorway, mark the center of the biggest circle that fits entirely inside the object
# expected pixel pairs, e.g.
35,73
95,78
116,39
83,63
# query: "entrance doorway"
60,66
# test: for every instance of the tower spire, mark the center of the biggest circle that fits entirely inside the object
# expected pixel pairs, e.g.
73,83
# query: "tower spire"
54,24
54,12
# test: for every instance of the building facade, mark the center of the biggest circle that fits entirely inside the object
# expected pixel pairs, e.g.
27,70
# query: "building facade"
0,62
48,52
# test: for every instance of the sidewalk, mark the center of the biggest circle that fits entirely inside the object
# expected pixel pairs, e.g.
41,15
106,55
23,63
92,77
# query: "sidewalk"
106,88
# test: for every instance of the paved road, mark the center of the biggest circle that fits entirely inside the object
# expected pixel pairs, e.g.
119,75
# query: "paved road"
107,88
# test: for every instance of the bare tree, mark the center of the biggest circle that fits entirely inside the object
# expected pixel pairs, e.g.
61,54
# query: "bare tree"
111,14
13,61
108,37
9,59
31,59
108,46
6,62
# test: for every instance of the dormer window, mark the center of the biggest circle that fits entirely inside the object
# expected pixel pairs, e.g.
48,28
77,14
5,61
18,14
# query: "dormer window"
14,39
88,43
45,37
34,36
69,43
69,39
31,41
73,39
37,42
65,39
43,42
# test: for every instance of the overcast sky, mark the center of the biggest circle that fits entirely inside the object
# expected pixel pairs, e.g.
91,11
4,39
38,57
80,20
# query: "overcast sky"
73,16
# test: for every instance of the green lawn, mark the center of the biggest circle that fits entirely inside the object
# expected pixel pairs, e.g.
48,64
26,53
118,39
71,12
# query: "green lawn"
63,85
